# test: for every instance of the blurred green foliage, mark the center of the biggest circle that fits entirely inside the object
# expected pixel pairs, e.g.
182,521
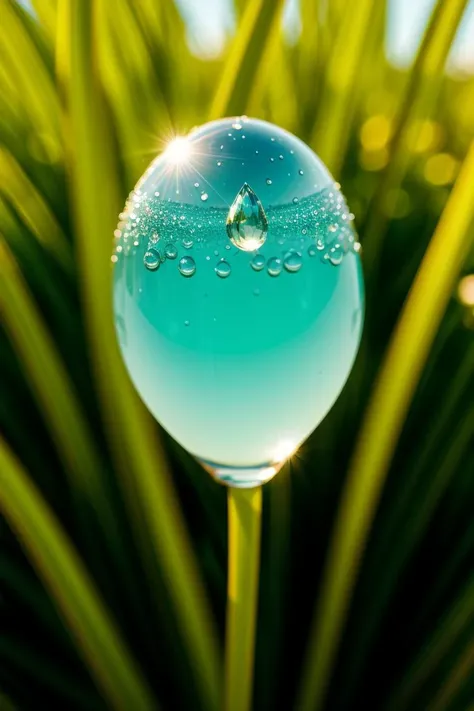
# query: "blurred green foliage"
113,541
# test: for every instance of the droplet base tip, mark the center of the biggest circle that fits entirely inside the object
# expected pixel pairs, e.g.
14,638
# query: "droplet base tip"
241,477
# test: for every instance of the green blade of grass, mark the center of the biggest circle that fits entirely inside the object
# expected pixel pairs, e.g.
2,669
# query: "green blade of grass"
64,574
454,624
139,458
381,427
244,58
412,522
47,13
50,382
32,80
417,103
332,130
34,211
462,672
245,515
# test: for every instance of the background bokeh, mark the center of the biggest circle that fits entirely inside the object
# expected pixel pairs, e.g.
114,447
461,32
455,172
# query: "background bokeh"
113,541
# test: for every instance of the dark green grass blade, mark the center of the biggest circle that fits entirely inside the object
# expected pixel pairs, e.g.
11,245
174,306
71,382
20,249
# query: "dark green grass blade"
64,574
383,421
155,509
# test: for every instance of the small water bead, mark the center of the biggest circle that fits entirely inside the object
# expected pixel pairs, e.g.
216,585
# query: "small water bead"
256,292
196,185
280,157
258,262
114,259
274,266
332,228
320,244
187,242
170,251
293,262
357,247
295,200
237,126
301,172
272,160
151,260
186,323
268,181
312,251
336,255
227,246
187,266
157,193
204,197
223,269
219,163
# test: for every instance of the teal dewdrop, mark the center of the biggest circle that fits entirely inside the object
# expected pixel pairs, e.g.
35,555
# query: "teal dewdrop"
238,294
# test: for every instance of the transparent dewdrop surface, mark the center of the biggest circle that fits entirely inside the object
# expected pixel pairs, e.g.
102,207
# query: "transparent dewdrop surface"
238,294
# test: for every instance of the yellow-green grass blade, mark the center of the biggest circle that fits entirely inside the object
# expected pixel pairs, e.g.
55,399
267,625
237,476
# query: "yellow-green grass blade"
412,522
245,516
32,80
244,58
137,101
139,458
417,103
332,130
50,383
46,11
455,623
461,673
381,427
34,211
64,575
266,91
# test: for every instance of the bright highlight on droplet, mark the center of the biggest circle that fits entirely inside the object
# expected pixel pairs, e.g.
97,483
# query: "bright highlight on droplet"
283,450
178,150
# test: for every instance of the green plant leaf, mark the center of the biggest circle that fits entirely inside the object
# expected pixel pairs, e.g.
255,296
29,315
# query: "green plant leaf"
63,573
244,58
381,427
154,508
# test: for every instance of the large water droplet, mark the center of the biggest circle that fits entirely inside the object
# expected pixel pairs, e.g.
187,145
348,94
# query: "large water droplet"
223,269
258,262
188,242
187,266
151,260
247,223
293,262
274,266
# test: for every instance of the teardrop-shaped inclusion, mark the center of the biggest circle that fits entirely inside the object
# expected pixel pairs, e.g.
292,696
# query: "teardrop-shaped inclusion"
247,223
